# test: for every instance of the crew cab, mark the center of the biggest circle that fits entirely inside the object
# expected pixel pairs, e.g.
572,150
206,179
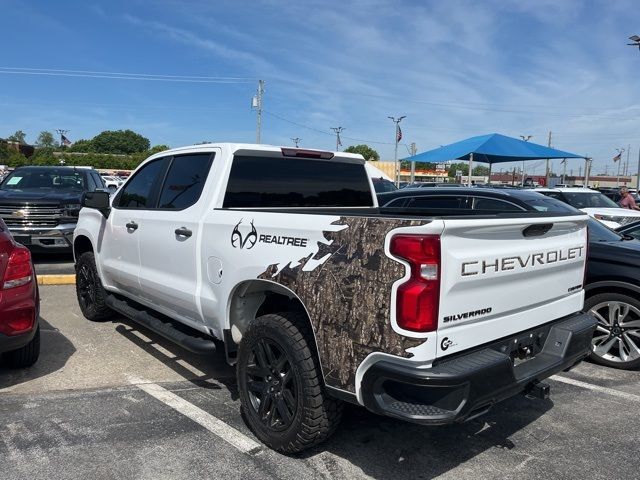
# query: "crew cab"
319,296
40,205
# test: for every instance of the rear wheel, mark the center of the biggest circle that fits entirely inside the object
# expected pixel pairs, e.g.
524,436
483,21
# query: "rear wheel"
616,341
283,399
91,295
26,356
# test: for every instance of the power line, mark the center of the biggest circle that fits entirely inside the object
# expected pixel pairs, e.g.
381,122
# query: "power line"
125,76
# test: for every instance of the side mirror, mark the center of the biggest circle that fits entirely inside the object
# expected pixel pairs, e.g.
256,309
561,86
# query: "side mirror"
98,201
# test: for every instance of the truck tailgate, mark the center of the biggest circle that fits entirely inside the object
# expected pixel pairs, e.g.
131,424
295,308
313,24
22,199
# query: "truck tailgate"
503,276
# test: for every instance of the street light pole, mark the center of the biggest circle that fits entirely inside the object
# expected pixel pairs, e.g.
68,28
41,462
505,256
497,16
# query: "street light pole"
395,156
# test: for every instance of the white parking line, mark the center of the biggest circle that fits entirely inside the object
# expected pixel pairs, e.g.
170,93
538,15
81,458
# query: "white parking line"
597,388
216,426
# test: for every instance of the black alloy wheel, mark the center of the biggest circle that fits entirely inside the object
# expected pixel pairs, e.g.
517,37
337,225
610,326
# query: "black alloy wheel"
89,290
273,390
282,394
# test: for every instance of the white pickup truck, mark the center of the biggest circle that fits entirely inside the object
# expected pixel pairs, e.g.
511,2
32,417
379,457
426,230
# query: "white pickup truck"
321,297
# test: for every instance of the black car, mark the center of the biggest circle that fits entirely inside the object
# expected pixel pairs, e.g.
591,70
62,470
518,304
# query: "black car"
486,199
612,286
40,205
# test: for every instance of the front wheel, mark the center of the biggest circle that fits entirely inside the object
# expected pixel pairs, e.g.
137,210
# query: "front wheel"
616,341
91,295
281,391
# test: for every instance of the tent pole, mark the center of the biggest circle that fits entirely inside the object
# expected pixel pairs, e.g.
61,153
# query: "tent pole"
470,168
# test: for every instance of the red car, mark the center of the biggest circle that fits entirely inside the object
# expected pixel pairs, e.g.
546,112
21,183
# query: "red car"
19,304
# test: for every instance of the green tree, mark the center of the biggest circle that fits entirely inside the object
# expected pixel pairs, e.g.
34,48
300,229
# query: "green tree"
480,170
120,142
18,136
365,150
11,157
81,145
46,139
454,167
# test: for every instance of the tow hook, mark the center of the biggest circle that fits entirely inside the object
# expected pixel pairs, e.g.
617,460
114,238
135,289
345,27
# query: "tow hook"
539,390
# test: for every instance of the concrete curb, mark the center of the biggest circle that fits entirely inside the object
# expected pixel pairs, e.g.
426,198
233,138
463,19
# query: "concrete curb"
56,279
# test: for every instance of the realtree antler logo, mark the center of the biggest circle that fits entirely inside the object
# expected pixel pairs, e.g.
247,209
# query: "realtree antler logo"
249,241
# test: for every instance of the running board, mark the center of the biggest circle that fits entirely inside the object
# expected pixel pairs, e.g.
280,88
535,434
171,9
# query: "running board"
163,328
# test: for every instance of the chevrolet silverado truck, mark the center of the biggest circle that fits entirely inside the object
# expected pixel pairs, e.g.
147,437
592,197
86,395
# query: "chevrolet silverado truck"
40,205
318,296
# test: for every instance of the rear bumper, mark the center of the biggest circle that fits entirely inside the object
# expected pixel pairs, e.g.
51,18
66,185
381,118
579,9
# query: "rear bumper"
48,239
463,387
14,342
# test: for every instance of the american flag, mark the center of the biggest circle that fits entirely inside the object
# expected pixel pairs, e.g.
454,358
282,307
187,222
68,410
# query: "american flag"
617,157
65,141
399,134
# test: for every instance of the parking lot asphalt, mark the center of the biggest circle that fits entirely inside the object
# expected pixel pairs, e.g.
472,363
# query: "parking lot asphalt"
109,400
53,263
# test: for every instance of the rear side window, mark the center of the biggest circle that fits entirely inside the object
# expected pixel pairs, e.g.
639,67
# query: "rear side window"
137,193
268,182
185,181
98,179
452,202
493,204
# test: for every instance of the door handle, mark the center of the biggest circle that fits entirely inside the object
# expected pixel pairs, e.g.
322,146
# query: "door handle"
183,232
132,225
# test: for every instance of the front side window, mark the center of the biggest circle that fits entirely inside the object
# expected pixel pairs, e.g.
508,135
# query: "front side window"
271,182
185,181
137,193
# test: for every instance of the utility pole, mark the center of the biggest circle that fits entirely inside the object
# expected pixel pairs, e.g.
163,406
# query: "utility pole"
256,102
296,141
414,150
398,138
62,134
564,171
525,138
338,142
626,165
587,171
620,152
638,173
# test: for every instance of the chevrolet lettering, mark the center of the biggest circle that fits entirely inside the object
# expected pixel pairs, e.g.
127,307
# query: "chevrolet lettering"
480,267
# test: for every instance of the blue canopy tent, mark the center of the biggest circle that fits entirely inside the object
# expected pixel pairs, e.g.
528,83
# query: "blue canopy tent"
492,148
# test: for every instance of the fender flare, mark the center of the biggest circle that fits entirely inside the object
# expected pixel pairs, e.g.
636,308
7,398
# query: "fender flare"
612,284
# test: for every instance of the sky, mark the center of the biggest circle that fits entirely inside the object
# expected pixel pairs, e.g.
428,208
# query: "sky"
455,68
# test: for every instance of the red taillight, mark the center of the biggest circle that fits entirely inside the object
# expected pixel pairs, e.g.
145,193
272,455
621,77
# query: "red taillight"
418,299
18,271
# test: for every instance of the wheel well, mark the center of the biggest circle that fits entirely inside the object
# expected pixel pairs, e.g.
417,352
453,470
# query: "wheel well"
254,298
81,245
620,288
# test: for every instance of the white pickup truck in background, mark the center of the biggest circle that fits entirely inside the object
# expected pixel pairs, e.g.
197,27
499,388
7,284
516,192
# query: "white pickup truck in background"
320,297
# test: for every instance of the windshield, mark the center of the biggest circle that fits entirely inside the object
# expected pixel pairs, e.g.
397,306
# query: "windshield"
589,200
38,180
600,233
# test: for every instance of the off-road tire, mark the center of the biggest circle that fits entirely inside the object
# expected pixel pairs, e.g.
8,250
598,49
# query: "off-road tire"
26,356
317,415
612,299
89,290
